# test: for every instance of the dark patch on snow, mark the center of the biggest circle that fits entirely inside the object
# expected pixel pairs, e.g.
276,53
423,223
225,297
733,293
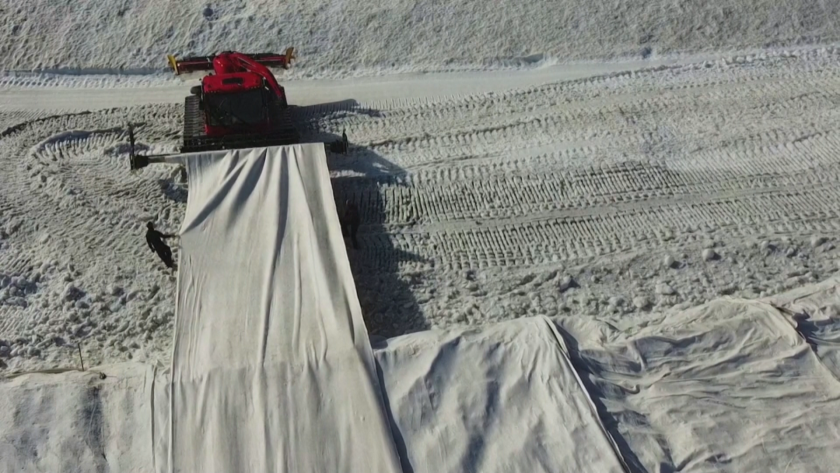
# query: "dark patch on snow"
173,191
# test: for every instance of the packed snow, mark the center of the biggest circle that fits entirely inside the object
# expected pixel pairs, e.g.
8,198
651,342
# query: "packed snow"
368,37
638,199
610,198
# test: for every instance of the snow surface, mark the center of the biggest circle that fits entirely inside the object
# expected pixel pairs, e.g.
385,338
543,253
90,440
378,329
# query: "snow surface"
656,215
610,198
625,171
369,37
729,386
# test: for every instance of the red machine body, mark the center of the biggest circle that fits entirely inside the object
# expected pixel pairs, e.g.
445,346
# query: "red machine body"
239,104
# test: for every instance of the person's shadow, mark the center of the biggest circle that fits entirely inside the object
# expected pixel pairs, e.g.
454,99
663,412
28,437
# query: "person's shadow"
387,301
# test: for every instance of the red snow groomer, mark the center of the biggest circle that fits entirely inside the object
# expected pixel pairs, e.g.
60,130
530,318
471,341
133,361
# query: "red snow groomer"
238,105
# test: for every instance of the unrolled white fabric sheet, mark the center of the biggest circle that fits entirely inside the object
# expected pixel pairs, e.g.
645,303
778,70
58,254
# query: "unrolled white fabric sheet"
272,370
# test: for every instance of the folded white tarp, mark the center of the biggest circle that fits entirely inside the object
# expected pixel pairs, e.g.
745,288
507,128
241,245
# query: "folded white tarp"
496,399
272,369
726,387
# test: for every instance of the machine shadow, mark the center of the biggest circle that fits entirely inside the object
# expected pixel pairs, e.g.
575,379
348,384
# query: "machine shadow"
361,176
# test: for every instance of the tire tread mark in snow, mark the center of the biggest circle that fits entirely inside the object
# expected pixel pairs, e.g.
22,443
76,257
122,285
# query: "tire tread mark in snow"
79,186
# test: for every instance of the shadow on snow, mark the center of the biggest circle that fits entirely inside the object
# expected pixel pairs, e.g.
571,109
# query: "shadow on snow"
361,176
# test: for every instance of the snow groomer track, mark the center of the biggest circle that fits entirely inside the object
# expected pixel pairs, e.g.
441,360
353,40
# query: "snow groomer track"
615,210
523,186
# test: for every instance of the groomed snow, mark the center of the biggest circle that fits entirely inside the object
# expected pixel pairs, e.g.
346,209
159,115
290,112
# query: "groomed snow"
369,37
638,199
609,198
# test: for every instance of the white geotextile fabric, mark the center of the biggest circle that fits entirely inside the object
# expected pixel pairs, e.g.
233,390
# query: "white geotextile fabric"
725,387
76,421
272,369
497,399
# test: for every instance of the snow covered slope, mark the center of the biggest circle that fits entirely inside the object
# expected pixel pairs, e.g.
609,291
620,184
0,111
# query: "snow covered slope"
337,36
609,198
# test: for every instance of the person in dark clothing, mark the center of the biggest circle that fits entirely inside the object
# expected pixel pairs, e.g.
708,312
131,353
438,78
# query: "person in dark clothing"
155,239
350,222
